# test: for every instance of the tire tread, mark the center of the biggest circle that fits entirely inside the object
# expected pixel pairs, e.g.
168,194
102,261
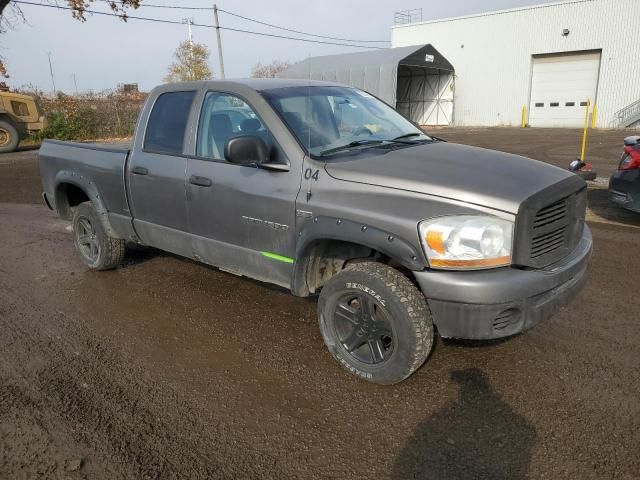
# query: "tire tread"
413,300
408,302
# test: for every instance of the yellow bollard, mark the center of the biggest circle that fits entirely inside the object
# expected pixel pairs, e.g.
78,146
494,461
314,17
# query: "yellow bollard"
586,126
594,115
524,117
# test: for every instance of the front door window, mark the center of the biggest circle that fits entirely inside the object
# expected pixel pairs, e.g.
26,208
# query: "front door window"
223,117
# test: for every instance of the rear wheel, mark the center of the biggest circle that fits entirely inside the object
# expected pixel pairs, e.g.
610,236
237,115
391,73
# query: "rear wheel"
375,322
97,250
9,138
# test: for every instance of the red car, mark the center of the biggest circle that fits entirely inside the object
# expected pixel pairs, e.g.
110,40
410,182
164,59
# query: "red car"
624,184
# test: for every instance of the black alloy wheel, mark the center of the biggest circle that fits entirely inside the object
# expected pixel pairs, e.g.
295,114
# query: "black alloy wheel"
363,328
87,239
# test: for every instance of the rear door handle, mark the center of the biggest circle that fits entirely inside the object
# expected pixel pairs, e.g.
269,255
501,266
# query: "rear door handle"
139,171
200,181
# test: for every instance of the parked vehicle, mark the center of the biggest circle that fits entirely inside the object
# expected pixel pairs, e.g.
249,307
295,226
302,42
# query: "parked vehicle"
330,191
624,184
19,116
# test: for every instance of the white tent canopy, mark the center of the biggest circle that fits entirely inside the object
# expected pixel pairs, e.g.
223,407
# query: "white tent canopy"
418,81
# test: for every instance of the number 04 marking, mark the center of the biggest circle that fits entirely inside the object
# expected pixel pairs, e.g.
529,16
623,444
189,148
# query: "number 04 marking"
310,174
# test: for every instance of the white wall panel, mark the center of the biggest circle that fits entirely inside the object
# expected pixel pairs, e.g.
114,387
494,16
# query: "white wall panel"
492,54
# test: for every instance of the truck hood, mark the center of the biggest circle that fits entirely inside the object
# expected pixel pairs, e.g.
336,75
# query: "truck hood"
488,178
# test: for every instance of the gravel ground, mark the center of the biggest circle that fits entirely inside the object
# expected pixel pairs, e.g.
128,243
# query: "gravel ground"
155,371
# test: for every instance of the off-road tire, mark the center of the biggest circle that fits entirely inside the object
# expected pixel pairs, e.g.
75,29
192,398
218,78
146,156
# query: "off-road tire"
12,142
405,308
110,251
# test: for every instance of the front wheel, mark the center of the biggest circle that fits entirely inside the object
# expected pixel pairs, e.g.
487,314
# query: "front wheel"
375,322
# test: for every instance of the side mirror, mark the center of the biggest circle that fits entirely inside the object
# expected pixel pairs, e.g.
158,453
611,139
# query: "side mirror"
246,150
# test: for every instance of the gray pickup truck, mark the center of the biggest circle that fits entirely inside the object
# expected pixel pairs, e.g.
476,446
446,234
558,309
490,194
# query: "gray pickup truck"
324,189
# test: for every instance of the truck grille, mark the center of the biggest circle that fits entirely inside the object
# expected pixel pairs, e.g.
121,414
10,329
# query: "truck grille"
553,213
547,242
548,229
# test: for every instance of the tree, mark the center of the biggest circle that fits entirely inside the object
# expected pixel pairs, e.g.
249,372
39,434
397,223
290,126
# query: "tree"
191,63
10,14
269,71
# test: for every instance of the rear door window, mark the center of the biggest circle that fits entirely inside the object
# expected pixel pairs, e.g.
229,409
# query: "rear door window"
168,122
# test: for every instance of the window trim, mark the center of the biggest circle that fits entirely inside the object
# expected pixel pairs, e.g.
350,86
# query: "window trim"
144,149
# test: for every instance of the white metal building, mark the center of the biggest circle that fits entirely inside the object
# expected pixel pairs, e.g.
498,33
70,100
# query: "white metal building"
551,58
415,80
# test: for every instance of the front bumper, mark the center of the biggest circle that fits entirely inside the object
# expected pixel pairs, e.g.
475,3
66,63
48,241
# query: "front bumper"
488,304
624,189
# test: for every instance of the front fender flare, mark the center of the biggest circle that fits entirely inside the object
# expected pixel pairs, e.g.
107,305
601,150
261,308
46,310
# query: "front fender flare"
329,228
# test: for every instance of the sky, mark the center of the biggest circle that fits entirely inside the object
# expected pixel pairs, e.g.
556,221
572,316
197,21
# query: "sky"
104,51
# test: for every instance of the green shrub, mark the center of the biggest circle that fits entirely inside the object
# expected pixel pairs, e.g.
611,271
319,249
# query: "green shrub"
82,125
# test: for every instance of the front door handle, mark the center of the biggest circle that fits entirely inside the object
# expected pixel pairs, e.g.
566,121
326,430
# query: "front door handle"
200,181
140,171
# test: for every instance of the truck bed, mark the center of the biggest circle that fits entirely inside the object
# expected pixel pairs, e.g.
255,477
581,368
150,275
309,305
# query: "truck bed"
85,165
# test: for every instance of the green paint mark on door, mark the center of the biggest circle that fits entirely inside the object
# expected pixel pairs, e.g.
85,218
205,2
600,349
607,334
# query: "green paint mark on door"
280,258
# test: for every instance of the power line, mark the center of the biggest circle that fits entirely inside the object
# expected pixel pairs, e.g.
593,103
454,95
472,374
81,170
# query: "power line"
165,6
294,38
258,22
174,22
298,31
107,14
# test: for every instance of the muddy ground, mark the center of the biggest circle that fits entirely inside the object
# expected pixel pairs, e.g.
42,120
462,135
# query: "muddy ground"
166,368
555,146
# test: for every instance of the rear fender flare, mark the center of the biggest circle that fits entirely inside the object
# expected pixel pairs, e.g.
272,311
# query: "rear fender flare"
90,189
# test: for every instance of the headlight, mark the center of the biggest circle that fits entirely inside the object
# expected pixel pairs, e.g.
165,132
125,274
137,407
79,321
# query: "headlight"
467,242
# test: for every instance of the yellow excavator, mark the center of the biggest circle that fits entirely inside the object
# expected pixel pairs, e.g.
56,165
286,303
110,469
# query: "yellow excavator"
19,116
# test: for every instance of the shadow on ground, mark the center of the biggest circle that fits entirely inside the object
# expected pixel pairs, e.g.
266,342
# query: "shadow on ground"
602,207
476,436
25,148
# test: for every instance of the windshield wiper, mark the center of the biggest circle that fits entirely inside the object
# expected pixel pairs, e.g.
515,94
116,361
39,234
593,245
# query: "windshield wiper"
408,135
357,143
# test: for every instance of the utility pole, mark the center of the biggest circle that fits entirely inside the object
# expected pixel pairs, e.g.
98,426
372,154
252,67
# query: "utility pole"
51,71
215,14
75,83
189,22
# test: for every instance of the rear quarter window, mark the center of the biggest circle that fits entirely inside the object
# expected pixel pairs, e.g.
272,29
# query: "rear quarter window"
168,122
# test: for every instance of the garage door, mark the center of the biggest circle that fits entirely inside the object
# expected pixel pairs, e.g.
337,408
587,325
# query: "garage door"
560,88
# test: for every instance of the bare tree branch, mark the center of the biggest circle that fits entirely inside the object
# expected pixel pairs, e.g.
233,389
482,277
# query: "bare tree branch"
270,70
10,14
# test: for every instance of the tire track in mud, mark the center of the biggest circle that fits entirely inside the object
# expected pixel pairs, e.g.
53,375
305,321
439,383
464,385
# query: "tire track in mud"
145,412
166,369
101,399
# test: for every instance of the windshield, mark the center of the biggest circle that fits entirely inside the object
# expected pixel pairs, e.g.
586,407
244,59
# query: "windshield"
329,120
